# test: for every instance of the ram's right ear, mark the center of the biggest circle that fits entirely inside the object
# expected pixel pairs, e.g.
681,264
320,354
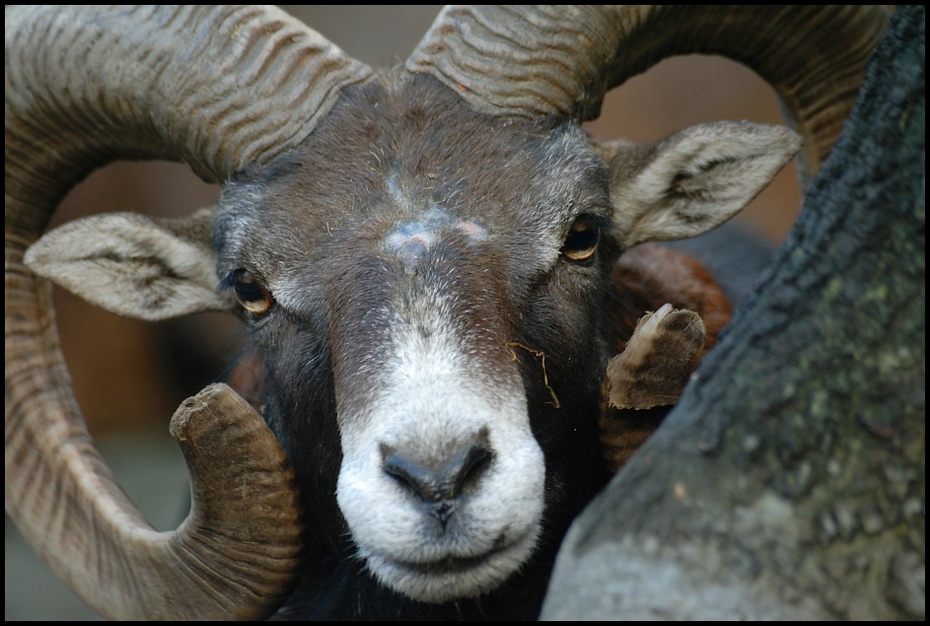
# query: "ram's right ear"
135,266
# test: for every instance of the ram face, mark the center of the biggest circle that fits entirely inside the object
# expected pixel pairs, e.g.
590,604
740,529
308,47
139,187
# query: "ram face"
395,287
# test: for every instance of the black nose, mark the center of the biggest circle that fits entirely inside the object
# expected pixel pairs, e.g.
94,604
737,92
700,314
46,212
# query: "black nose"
440,483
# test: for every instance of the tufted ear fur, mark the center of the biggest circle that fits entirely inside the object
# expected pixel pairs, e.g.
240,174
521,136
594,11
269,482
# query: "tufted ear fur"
693,181
132,265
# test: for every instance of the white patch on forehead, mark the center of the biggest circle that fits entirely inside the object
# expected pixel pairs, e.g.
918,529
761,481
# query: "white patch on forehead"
411,240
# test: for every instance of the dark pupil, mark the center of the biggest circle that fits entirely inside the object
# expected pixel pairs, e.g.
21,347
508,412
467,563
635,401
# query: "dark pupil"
582,237
248,290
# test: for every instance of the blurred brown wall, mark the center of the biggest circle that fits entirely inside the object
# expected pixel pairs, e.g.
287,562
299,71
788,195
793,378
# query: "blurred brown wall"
127,372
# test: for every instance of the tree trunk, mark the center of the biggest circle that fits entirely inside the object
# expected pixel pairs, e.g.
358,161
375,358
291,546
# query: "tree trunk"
789,482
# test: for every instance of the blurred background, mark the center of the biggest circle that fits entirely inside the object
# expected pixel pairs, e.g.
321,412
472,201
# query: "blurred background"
130,376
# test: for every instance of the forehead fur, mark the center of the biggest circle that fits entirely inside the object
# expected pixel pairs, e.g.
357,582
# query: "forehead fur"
393,151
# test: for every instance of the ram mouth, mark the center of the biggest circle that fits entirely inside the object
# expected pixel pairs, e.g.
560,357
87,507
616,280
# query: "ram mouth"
453,577
454,564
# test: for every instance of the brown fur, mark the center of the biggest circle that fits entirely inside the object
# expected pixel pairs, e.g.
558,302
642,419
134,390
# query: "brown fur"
648,275
644,278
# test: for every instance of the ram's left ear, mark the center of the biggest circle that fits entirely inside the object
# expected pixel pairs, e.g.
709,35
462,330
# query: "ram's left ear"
693,181
132,265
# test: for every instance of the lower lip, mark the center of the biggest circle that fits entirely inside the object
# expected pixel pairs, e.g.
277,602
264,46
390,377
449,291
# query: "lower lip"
457,565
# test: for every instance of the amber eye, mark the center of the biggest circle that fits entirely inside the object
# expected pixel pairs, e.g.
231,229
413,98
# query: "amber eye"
252,294
581,242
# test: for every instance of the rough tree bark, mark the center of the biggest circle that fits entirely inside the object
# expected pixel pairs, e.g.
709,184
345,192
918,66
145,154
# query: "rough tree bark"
790,480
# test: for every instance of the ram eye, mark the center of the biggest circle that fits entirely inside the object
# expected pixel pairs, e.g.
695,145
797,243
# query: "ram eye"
581,242
251,293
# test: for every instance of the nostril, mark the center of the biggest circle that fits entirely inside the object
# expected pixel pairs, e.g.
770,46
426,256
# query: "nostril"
472,465
439,483
416,476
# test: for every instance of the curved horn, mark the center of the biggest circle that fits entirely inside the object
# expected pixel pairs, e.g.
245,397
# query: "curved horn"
562,59
84,87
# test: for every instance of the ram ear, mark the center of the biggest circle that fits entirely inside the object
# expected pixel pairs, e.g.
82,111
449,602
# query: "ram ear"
132,265
693,181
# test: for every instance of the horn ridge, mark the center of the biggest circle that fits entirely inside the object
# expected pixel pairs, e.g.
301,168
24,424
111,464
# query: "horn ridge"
220,88
814,56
